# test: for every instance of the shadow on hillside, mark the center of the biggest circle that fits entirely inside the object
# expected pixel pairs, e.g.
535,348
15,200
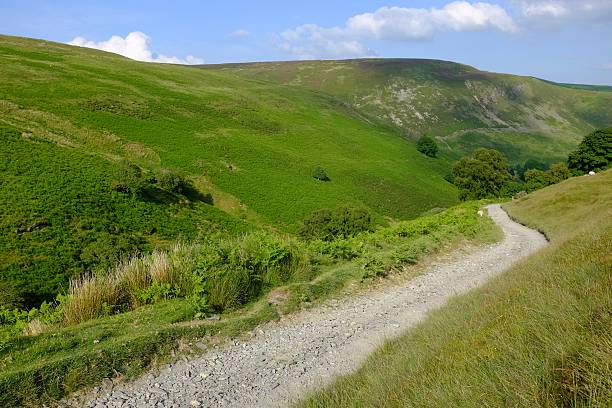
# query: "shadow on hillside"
156,195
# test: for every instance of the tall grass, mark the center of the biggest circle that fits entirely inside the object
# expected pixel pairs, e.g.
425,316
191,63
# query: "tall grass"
92,295
226,273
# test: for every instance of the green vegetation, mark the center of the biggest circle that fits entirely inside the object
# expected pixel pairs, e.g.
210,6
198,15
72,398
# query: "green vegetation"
427,146
594,152
484,174
152,307
320,174
108,163
461,107
118,158
536,179
329,225
61,217
539,335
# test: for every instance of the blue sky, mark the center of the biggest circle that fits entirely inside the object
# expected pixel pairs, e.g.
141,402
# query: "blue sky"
560,40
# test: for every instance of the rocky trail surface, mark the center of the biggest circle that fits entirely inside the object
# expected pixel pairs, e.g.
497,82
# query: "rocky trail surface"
286,359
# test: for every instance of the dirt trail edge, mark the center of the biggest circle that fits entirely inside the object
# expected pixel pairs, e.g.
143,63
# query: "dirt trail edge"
286,359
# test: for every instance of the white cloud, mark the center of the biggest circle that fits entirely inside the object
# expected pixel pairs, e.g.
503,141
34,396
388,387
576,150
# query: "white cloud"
392,23
556,10
400,23
606,66
241,33
135,45
311,41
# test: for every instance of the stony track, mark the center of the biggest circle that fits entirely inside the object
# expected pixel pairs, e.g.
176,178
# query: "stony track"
286,359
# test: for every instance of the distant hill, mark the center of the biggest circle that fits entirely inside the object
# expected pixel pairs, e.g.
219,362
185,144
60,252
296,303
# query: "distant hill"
464,108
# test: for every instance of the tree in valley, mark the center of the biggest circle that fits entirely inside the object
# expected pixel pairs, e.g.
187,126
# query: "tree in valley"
594,153
427,145
483,174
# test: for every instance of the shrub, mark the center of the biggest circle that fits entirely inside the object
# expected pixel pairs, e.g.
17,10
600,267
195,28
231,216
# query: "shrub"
140,280
558,172
129,180
481,175
373,266
427,145
238,270
338,249
594,152
171,181
9,296
157,292
320,174
343,222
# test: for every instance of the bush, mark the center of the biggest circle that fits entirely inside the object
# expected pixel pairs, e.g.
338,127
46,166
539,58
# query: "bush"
343,222
140,280
9,296
320,174
373,266
427,145
337,249
129,180
171,181
484,174
238,270
594,153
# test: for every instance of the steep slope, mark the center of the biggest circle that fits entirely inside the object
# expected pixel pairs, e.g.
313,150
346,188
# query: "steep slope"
463,107
73,118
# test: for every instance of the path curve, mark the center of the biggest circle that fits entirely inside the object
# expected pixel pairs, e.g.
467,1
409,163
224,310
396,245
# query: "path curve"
286,359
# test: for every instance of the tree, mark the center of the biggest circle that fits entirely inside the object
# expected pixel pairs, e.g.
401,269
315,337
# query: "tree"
529,164
171,181
536,179
558,172
427,145
320,174
594,152
483,174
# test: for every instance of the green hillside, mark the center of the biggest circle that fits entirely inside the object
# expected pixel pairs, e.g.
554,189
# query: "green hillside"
463,107
74,121
74,118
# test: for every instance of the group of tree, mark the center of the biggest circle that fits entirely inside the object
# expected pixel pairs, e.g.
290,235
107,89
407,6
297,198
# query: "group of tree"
132,180
594,153
486,174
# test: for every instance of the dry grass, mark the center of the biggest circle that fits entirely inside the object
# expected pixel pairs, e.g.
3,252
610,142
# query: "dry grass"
93,295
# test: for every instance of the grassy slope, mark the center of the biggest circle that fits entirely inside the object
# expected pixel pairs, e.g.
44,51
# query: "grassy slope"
42,368
538,335
251,145
465,108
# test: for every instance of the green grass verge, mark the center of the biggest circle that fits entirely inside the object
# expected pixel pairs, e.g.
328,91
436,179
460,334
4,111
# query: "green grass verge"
42,368
539,335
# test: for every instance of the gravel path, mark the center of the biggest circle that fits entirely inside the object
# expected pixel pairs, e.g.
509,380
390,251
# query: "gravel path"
286,359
